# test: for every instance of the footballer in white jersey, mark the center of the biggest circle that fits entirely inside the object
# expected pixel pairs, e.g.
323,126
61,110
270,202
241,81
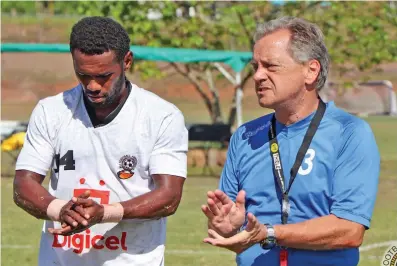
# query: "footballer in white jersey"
124,145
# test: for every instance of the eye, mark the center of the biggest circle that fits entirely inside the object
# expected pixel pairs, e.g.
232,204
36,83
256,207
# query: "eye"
273,67
103,76
81,75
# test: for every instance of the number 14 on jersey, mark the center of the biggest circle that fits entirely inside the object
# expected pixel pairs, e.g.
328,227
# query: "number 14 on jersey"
66,160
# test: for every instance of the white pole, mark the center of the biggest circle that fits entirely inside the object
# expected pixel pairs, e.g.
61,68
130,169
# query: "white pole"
239,97
393,104
225,73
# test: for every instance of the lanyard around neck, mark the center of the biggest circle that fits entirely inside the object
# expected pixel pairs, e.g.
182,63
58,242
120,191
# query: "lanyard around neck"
276,158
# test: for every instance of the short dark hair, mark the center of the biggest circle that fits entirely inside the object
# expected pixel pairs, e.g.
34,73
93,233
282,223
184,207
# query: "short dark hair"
96,35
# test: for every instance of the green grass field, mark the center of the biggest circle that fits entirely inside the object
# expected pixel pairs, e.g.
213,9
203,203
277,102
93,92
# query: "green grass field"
187,228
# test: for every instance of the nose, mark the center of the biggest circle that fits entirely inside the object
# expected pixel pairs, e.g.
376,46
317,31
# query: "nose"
93,86
260,75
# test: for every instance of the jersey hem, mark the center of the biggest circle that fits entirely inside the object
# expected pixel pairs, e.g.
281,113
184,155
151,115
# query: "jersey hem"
30,168
165,171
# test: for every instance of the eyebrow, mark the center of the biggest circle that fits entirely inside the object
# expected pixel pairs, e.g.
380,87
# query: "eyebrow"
97,75
266,62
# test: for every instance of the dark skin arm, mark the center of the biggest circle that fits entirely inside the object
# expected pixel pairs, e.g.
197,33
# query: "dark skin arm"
161,202
31,196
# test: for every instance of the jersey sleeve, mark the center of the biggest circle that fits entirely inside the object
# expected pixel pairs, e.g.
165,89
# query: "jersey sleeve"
37,151
169,155
356,175
229,179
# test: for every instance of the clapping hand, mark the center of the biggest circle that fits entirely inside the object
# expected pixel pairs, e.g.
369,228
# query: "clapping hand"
224,216
254,233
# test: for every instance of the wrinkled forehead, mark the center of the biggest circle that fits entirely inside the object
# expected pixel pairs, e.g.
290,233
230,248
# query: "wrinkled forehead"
272,46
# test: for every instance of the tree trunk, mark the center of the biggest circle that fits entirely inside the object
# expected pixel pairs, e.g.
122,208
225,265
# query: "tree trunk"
213,106
233,110
216,113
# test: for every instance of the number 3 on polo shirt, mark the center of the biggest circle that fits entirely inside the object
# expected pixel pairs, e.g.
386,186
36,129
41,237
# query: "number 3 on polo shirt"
307,164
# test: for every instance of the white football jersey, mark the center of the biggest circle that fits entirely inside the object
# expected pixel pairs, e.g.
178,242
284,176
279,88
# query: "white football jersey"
115,161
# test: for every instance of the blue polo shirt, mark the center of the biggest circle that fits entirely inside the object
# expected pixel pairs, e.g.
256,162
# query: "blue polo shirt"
339,176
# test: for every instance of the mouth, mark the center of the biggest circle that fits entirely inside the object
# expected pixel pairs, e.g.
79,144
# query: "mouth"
94,98
261,90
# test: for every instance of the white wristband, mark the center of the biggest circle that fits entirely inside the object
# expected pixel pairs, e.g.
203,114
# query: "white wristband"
112,213
54,208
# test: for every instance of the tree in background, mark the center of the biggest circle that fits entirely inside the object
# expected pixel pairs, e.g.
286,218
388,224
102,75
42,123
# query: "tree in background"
358,34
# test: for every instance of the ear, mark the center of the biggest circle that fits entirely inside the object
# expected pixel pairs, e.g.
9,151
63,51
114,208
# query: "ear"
312,72
128,59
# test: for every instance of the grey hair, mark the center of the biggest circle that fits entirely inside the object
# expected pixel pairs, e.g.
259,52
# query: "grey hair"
307,42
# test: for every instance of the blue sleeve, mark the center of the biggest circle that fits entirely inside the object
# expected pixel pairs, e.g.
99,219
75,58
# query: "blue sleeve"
356,175
229,178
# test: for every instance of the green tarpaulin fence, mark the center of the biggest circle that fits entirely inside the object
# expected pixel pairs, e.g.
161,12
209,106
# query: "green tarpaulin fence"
236,60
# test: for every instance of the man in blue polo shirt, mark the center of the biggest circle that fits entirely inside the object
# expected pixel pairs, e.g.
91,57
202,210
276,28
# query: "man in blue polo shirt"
299,186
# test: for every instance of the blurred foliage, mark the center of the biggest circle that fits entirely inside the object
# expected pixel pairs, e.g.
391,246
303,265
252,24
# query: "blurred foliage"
357,33
19,7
